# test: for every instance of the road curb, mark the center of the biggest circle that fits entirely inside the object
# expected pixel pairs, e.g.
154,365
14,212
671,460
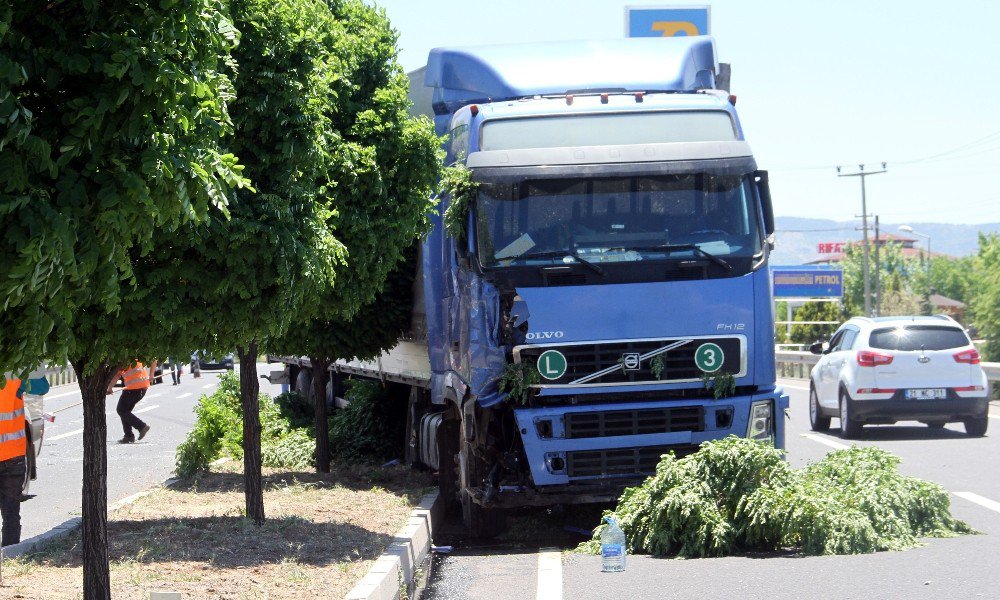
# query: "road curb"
400,563
67,527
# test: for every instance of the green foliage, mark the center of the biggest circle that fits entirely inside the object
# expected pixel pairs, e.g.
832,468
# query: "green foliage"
986,302
218,431
295,408
736,495
371,426
216,427
815,311
722,384
461,190
656,366
112,127
516,381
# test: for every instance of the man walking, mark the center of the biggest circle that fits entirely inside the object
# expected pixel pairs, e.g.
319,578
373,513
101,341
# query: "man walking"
175,370
136,380
13,464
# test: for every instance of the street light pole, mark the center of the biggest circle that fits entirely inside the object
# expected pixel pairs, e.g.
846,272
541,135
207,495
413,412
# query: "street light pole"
927,264
864,226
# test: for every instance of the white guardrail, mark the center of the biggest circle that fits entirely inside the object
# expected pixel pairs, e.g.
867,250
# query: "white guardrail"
796,365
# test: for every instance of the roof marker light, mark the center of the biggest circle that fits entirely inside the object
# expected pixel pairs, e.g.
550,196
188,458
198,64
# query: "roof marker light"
638,97
569,99
474,110
604,98
732,99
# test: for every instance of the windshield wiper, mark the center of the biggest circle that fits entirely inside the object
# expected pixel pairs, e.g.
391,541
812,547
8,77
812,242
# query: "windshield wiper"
557,253
671,247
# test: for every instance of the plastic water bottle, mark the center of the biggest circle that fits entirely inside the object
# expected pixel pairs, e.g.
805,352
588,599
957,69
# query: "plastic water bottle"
612,547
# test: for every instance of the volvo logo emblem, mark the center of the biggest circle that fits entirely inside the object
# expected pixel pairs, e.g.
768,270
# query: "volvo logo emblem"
631,361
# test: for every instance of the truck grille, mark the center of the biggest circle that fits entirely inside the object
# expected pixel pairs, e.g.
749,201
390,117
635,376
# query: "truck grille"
619,461
634,422
585,360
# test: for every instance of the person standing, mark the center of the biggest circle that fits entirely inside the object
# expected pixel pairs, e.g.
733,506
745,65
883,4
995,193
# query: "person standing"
13,463
175,370
136,380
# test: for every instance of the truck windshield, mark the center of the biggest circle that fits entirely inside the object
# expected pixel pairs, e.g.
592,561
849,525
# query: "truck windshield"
616,219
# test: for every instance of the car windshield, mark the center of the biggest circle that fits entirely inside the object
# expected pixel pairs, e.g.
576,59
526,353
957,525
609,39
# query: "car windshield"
918,337
616,219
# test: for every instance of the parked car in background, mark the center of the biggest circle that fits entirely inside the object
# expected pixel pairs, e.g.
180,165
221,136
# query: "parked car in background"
211,362
888,369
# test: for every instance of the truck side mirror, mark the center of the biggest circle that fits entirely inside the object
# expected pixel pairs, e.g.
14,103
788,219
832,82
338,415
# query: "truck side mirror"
764,191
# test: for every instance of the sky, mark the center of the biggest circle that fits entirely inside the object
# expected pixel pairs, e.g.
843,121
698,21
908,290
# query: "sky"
818,84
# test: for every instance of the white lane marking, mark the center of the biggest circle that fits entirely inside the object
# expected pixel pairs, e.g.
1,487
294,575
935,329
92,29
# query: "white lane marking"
47,397
822,440
148,408
64,435
205,387
155,395
794,387
184,395
981,501
549,574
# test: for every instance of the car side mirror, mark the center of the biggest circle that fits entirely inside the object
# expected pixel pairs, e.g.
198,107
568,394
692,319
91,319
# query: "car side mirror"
819,348
764,191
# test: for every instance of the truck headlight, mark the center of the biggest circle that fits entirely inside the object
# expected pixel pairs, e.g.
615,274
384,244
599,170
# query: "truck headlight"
761,424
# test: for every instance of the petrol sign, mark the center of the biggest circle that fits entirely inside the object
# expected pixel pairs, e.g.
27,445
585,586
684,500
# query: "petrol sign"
806,282
667,21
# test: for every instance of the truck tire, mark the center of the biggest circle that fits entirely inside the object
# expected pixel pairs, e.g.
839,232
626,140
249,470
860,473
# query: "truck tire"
303,383
448,482
479,521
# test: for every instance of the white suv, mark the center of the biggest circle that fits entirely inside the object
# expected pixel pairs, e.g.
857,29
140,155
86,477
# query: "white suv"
889,369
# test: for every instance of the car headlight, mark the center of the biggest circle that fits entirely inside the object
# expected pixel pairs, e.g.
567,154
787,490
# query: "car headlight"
761,423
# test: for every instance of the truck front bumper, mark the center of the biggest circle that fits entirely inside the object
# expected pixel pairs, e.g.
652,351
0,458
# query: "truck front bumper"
606,445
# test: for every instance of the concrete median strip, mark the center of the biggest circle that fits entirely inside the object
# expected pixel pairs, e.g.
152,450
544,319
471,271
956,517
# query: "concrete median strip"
406,556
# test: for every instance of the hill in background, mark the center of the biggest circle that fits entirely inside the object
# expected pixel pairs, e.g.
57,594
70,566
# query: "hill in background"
796,238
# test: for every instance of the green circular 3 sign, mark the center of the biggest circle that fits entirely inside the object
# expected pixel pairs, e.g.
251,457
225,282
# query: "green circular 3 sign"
552,364
709,357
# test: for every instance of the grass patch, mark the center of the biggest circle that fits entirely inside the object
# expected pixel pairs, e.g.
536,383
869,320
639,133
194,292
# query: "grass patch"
737,495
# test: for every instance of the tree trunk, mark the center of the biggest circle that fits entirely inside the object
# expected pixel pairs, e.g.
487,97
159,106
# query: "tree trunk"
253,489
93,387
320,375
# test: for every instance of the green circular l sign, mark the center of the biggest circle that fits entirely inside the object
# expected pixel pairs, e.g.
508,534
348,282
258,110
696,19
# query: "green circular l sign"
552,364
709,357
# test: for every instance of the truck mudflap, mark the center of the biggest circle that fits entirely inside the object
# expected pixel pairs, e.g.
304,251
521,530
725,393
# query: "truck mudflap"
601,443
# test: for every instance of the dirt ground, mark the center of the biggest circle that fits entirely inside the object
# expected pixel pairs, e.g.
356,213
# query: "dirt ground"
321,535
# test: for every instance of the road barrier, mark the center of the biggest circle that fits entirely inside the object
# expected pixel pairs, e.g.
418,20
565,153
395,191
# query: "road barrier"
57,374
796,365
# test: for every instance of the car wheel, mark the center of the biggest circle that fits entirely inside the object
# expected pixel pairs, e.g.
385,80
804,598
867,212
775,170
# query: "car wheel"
29,467
817,420
849,428
976,427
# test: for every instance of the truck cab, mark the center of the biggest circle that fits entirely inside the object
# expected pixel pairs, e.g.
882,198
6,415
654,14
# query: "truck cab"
613,265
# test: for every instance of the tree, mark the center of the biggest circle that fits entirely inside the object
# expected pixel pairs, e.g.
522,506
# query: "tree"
986,301
388,164
815,311
896,273
113,117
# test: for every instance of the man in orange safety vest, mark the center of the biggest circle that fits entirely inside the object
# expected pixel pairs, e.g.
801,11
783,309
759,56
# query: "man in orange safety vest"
137,378
13,464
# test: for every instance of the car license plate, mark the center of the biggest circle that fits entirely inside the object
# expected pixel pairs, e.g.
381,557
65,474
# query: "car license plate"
926,394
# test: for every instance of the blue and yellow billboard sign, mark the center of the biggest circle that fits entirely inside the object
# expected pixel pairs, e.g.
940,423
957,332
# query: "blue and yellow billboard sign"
667,21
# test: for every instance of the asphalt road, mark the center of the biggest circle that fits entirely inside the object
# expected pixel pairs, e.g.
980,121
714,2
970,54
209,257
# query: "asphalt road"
965,567
132,468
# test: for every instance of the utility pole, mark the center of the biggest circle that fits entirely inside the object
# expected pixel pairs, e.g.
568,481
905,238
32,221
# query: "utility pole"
864,226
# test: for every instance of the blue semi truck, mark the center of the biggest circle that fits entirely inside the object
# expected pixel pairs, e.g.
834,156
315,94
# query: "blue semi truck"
614,263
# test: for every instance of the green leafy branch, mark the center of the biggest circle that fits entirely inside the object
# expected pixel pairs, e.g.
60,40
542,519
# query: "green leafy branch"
458,184
722,385
516,381
656,366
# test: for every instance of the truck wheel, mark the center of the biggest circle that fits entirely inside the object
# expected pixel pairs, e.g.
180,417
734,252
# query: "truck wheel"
448,483
849,428
479,521
976,427
817,421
